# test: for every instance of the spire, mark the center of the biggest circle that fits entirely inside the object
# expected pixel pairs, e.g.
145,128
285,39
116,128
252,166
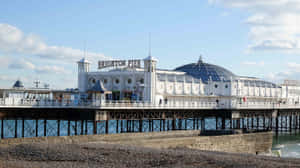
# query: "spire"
200,59
149,44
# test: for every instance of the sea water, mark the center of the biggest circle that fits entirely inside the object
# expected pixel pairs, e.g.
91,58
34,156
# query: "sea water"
287,145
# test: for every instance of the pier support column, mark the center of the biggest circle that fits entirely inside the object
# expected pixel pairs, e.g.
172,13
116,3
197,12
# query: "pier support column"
95,127
2,128
86,127
117,126
164,124
23,123
122,129
106,126
277,123
257,123
238,123
223,123
81,125
37,127
45,127
290,121
69,127
202,124
173,124
58,127
216,123
75,129
16,128
140,125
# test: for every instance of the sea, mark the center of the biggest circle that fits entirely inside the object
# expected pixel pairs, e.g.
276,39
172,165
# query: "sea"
287,145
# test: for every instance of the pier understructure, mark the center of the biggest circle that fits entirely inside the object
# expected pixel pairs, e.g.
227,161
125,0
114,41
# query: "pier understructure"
66,120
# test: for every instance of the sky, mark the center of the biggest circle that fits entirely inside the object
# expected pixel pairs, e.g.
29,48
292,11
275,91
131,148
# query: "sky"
43,40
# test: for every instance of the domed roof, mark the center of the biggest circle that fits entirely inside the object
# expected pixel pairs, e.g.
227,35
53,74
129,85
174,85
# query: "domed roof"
205,71
18,84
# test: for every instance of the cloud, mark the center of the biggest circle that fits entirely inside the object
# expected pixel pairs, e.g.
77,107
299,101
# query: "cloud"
252,63
274,24
21,64
13,40
292,71
27,65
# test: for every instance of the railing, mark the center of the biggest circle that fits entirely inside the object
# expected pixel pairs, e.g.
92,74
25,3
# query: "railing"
139,104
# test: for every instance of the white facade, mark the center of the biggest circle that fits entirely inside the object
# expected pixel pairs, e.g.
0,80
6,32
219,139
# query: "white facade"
173,87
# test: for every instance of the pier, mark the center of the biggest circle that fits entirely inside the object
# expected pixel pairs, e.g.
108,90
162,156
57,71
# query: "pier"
48,118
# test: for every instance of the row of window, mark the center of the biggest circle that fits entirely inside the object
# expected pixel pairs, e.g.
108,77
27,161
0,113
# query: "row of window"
117,81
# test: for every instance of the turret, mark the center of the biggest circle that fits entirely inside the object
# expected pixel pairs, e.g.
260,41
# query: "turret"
150,79
83,68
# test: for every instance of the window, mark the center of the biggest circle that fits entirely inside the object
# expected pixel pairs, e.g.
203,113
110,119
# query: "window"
226,86
129,81
142,81
216,86
117,81
105,81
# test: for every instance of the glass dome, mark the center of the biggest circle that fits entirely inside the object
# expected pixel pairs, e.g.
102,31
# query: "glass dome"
205,71
18,84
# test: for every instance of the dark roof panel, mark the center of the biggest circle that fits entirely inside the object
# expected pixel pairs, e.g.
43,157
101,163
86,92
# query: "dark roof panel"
205,71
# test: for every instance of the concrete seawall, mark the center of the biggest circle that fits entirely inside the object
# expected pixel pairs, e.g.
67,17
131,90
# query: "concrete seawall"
238,143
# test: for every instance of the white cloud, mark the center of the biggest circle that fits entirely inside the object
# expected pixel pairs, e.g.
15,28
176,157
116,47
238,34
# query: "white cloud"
253,63
27,65
51,69
21,64
274,24
292,71
14,40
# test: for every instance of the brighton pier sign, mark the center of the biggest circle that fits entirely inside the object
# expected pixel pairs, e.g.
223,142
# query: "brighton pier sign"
119,63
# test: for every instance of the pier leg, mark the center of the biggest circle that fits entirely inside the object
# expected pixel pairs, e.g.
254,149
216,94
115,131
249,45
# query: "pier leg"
23,123
202,124
252,122
82,122
86,127
36,127
160,125
264,122
75,129
2,128
106,126
164,124
281,123
238,123
58,127
152,125
141,125
277,123
223,123
197,123
69,127
185,124
248,123
243,123
117,126
257,123
168,125
216,123
230,123
194,123
122,129
16,128
290,120
45,127
95,127
173,124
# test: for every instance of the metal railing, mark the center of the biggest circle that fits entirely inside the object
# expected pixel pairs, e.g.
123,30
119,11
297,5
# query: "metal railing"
139,104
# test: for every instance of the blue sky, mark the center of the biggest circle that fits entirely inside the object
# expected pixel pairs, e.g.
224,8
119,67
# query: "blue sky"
44,39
